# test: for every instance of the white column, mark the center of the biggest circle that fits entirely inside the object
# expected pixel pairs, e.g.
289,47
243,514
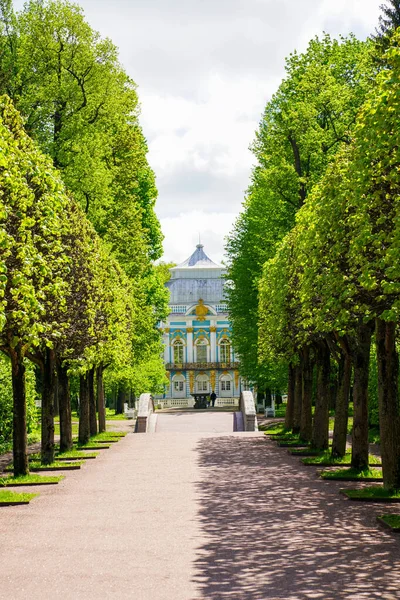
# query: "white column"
166,346
213,340
189,341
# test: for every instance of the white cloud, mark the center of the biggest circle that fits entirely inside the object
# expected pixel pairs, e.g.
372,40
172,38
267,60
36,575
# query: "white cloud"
205,70
182,234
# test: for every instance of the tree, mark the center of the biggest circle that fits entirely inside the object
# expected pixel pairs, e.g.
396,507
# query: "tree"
302,127
32,203
389,21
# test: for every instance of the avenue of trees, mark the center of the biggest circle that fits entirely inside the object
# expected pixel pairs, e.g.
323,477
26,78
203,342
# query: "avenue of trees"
319,238
79,293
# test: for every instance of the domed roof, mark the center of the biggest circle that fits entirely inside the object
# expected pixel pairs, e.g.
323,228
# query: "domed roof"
198,259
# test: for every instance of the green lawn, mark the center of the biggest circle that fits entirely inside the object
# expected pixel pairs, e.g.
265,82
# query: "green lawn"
372,493
76,454
326,460
108,435
30,480
353,474
91,446
75,428
37,466
7,497
392,520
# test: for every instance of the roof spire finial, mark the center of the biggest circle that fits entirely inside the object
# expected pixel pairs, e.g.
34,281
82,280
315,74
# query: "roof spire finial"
199,245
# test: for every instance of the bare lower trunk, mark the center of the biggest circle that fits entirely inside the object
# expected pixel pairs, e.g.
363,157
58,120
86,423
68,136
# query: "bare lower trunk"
92,404
388,396
100,398
64,397
298,393
84,424
121,398
342,407
48,393
20,441
306,407
290,398
360,349
320,436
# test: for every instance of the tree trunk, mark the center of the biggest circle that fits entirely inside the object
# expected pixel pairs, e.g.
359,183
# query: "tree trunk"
360,350
320,436
100,398
64,397
56,399
119,408
306,407
290,398
84,423
388,397
342,407
20,439
92,404
48,393
298,394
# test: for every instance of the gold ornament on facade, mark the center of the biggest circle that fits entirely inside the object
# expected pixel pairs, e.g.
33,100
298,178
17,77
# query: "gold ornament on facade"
212,380
191,381
167,330
236,373
189,330
213,329
201,310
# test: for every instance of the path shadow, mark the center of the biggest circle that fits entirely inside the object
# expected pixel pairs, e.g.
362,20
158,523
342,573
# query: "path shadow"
274,530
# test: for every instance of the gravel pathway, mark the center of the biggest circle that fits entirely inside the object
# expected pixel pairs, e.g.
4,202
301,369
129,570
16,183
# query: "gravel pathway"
190,516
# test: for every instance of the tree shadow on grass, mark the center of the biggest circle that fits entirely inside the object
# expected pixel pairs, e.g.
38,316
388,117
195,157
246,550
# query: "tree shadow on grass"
274,530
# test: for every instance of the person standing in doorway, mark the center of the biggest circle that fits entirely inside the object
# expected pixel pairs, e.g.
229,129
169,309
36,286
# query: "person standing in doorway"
213,398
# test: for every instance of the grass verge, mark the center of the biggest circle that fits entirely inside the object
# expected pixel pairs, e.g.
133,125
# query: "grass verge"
276,429
91,446
325,460
352,475
11,498
390,521
304,452
55,466
295,443
30,480
373,494
75,455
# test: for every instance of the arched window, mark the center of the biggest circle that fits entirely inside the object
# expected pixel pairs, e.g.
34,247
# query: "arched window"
178,351
202,383
201,350
225,351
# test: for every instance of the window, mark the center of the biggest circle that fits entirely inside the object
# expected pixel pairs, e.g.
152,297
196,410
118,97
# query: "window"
225,386
202,386
178,352
201,351
202,383
225,351
178,386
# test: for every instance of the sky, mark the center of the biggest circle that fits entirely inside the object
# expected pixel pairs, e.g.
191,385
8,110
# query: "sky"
205,70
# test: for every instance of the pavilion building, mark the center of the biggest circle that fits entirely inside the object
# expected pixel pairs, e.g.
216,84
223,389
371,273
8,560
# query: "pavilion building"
198,351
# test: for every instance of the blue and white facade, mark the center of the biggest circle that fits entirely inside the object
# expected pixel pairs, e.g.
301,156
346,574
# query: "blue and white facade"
198,352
